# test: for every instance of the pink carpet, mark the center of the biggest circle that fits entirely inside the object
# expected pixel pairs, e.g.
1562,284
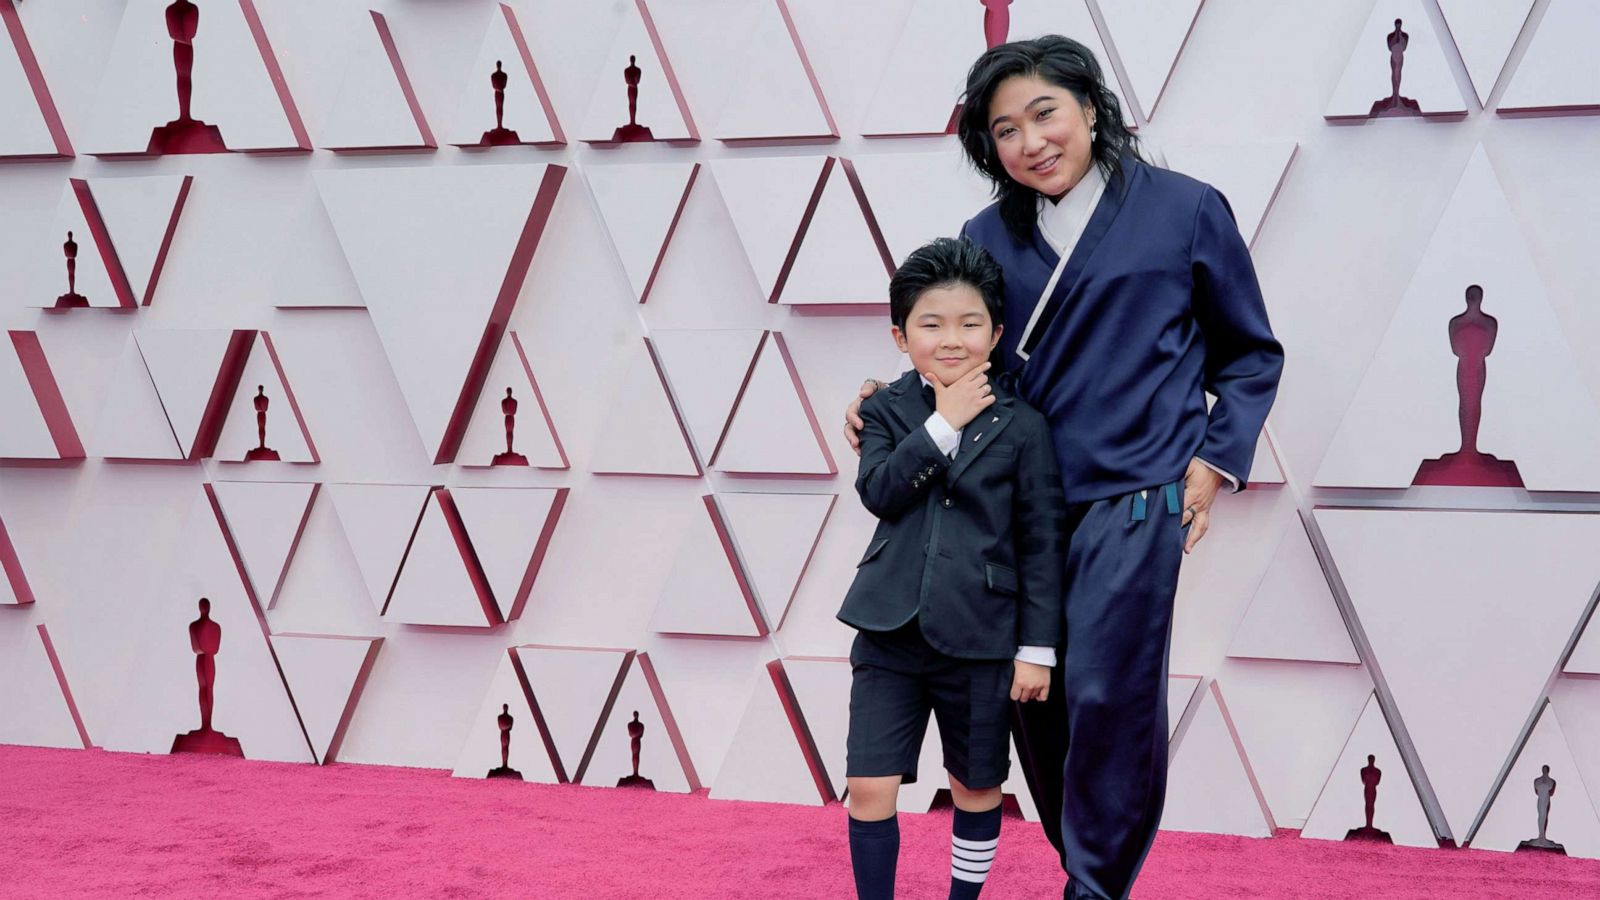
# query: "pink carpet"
96,824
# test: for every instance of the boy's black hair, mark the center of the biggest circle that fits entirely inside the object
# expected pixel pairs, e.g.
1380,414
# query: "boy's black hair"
1067,64
941,263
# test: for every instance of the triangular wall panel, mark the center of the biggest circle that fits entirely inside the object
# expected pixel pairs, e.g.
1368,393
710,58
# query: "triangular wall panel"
775,536
528,749
925,72
526,113
1514,815
266,519
777,94
1485,31
841,258
533,437
574,688
1537,412
1585,658
1293,615
821,690
440,254
237,84
766,761
379,522
441,581
251,699
1293,719
769,201
641,206
706,370
642,433
263,383
916,197
1340,807
34,129
1149,37
663,758
773,430
132,423
1556,73
37,423
14,587
1425,75
326,674
196,372
36,706
1248,174
510,530
1211,786
375,107
707,590
661,106
140,217
1464,666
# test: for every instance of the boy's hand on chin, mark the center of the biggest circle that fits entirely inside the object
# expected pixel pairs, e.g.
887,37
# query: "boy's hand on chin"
961,401
1030,682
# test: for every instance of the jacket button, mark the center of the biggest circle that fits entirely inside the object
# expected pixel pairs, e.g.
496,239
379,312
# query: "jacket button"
949,503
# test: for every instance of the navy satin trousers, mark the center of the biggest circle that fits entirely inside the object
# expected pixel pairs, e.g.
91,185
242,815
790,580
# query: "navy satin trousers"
1095,754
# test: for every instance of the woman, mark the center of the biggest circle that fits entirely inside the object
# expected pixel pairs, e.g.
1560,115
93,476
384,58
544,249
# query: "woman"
1130,295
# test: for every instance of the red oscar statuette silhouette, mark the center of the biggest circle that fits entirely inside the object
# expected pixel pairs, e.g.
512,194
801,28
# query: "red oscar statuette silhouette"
508,408
1398,40
636,738
996,22
632,131
1544,788
71,299
500,134
185,134
1472,335
1370,776
261,451
205,638
505,720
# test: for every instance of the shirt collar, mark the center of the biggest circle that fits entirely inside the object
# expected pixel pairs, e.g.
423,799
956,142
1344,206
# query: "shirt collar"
1061,222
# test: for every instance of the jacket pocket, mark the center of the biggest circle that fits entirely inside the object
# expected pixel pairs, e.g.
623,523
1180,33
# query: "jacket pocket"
873,549
1000,578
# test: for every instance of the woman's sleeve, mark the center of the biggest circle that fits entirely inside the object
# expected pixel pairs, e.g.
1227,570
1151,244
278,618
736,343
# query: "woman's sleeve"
1243,359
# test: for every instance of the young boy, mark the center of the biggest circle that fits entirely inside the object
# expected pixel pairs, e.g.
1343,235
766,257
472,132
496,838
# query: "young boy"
958,598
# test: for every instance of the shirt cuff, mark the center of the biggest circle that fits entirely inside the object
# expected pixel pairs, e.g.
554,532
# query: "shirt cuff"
1039,656
947,439
1233,480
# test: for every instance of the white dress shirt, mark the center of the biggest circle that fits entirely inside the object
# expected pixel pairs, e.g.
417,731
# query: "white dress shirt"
948,440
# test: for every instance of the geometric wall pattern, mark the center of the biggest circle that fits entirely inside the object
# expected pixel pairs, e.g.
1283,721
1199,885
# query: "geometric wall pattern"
680,297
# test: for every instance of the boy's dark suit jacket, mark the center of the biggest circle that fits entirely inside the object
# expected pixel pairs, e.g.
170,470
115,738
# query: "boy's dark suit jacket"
974,545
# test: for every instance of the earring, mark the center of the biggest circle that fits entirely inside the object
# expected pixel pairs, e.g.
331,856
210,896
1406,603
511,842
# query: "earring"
1093,134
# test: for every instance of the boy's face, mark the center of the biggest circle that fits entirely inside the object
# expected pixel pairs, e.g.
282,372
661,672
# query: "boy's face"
948,332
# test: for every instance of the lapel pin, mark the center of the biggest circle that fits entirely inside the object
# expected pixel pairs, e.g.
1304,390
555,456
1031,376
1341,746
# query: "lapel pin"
975,437
995,419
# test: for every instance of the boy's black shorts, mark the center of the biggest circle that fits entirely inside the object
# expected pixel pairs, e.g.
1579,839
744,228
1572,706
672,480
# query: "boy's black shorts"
897,678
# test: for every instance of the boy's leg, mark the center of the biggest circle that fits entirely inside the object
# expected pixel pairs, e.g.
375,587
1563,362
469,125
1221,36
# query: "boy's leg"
974,838
888,718
972,701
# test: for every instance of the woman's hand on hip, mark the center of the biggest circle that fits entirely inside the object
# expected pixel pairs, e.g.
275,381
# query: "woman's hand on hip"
852,414
1200,486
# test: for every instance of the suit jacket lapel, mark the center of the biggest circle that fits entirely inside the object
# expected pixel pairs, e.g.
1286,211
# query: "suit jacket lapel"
979,434
1105,212
906,401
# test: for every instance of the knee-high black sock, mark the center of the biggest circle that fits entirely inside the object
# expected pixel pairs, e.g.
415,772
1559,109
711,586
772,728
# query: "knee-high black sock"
974,837
874,850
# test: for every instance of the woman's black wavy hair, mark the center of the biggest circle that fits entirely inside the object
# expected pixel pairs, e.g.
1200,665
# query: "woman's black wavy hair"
1061,61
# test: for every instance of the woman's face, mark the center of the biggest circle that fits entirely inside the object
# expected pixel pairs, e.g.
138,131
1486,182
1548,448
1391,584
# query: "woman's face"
1041,133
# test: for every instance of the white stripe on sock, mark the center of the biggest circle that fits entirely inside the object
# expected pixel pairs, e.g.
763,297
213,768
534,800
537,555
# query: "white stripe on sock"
970,860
